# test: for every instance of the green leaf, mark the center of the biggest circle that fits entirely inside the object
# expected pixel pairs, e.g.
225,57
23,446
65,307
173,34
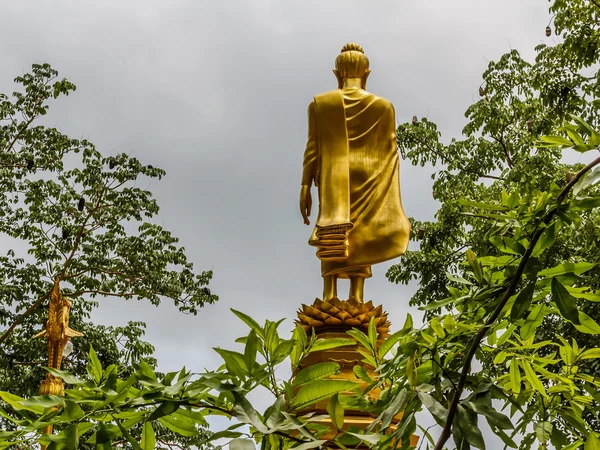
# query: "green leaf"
282,351
336,412
321,390
574,446
94,367
532,377
179,424
18,404
72,412
368,438
534,320
410,371
437,328
372,333
271,335
361,373
234,361
437,304
543,430
315,372
310,444
326,344
469,427
497,419
148,439
522,302
128,436
592,442
546,240
556,141
361,338
575,136
67,377
586,181
146,371
164,409
569,267
241,444
482,205
515,376
388,343
436,409
592,353
507,245
565,302
246,413
254,326
250,351
299,338
393,408
587,324
408,324
585,203
475,266
101,438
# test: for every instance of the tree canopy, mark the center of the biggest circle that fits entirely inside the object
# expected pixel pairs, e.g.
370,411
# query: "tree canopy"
73,214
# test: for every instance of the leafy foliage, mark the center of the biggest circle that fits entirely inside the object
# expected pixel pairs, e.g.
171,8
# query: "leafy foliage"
71,213
510,149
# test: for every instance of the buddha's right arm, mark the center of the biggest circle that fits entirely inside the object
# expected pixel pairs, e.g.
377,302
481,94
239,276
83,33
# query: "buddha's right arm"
311,154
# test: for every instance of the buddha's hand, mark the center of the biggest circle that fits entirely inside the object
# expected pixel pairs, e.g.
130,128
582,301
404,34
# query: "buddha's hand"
305,203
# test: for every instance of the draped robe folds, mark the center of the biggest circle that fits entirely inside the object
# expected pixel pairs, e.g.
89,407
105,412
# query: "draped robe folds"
352,157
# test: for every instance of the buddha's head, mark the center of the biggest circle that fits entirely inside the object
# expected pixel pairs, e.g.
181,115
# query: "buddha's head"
352,63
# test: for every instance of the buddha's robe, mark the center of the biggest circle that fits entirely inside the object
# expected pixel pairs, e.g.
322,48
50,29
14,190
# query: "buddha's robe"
352,157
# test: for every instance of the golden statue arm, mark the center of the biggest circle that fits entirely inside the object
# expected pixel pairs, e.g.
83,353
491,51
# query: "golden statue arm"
311,154
310,166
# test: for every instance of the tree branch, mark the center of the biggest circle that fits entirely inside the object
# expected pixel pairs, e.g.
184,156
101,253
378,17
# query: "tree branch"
466,369
508,158
105,293
22,317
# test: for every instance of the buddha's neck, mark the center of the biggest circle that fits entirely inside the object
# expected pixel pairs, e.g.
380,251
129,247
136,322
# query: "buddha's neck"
352,83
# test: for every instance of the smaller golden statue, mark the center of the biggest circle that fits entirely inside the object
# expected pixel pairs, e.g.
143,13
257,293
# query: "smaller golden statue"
352,157
58,333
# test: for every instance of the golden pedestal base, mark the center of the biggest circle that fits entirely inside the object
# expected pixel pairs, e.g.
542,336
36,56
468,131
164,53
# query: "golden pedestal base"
347,357
52,385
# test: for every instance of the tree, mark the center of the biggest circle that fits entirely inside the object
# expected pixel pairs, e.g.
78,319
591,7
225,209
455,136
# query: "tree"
72,214
520,101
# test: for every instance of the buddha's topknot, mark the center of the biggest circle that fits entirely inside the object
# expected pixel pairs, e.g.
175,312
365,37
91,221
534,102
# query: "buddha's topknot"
352,61
352,47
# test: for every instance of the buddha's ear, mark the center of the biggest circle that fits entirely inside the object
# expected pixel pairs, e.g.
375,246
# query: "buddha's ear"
339,79
364,79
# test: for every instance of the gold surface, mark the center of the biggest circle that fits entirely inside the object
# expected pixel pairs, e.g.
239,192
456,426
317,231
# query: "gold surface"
338,315
57,333
351,156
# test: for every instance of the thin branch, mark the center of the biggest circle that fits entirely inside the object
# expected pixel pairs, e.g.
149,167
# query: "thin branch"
22,317
466,369
105,293
508,158
18,135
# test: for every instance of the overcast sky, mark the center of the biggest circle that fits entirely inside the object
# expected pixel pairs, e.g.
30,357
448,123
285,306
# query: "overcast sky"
216,93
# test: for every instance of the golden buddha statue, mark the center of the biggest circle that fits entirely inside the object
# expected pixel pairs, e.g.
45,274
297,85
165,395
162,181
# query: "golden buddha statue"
352,157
